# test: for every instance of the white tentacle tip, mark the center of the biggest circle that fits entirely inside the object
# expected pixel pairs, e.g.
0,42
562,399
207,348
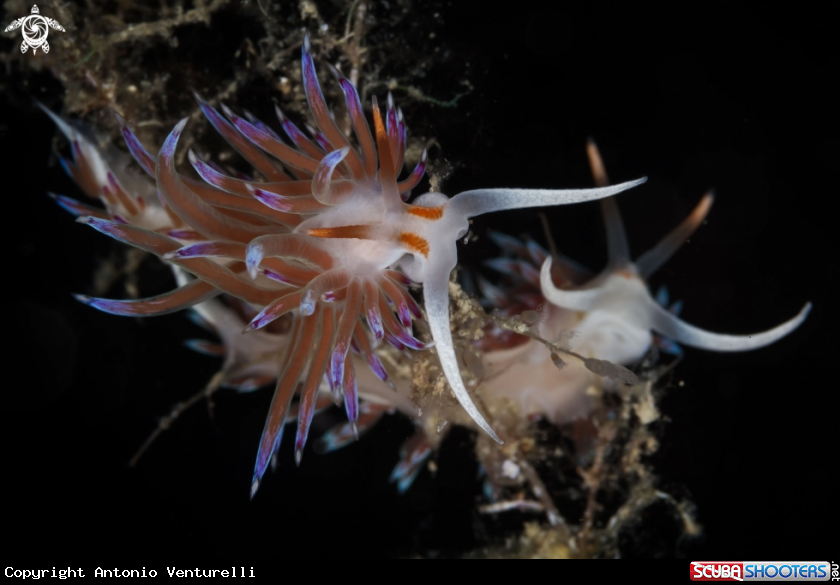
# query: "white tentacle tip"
253,257
803,314
255,485
179,127
486,428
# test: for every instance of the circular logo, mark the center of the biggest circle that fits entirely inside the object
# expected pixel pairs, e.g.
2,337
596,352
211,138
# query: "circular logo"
34,30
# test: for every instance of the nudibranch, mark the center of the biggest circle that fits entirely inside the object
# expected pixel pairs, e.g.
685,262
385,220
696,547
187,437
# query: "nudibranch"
620,314
606,320
328,237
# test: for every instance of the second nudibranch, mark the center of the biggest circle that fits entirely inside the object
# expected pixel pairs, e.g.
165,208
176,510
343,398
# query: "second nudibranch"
619,312
610,319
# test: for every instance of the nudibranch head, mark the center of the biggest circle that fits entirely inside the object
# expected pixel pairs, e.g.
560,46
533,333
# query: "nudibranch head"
620,313
328,237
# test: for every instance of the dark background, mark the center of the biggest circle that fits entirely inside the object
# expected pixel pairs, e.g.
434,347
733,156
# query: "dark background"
721,97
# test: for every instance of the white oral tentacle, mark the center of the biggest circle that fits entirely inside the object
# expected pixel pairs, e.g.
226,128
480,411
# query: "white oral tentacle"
436,297
671,326
575,300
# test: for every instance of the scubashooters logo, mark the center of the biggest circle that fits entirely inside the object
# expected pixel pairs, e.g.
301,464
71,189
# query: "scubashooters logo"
35,29
759,571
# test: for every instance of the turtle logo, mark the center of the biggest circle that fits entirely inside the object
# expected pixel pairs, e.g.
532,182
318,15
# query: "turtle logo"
35,31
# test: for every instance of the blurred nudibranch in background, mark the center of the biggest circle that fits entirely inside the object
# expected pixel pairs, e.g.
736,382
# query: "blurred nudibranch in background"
307,273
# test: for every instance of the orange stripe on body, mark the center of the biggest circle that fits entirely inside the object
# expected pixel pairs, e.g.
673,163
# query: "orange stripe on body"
430,213
346,231
414,243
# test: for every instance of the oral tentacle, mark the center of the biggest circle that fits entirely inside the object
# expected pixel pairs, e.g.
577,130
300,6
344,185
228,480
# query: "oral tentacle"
480,201
436,300
676,329
576,300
